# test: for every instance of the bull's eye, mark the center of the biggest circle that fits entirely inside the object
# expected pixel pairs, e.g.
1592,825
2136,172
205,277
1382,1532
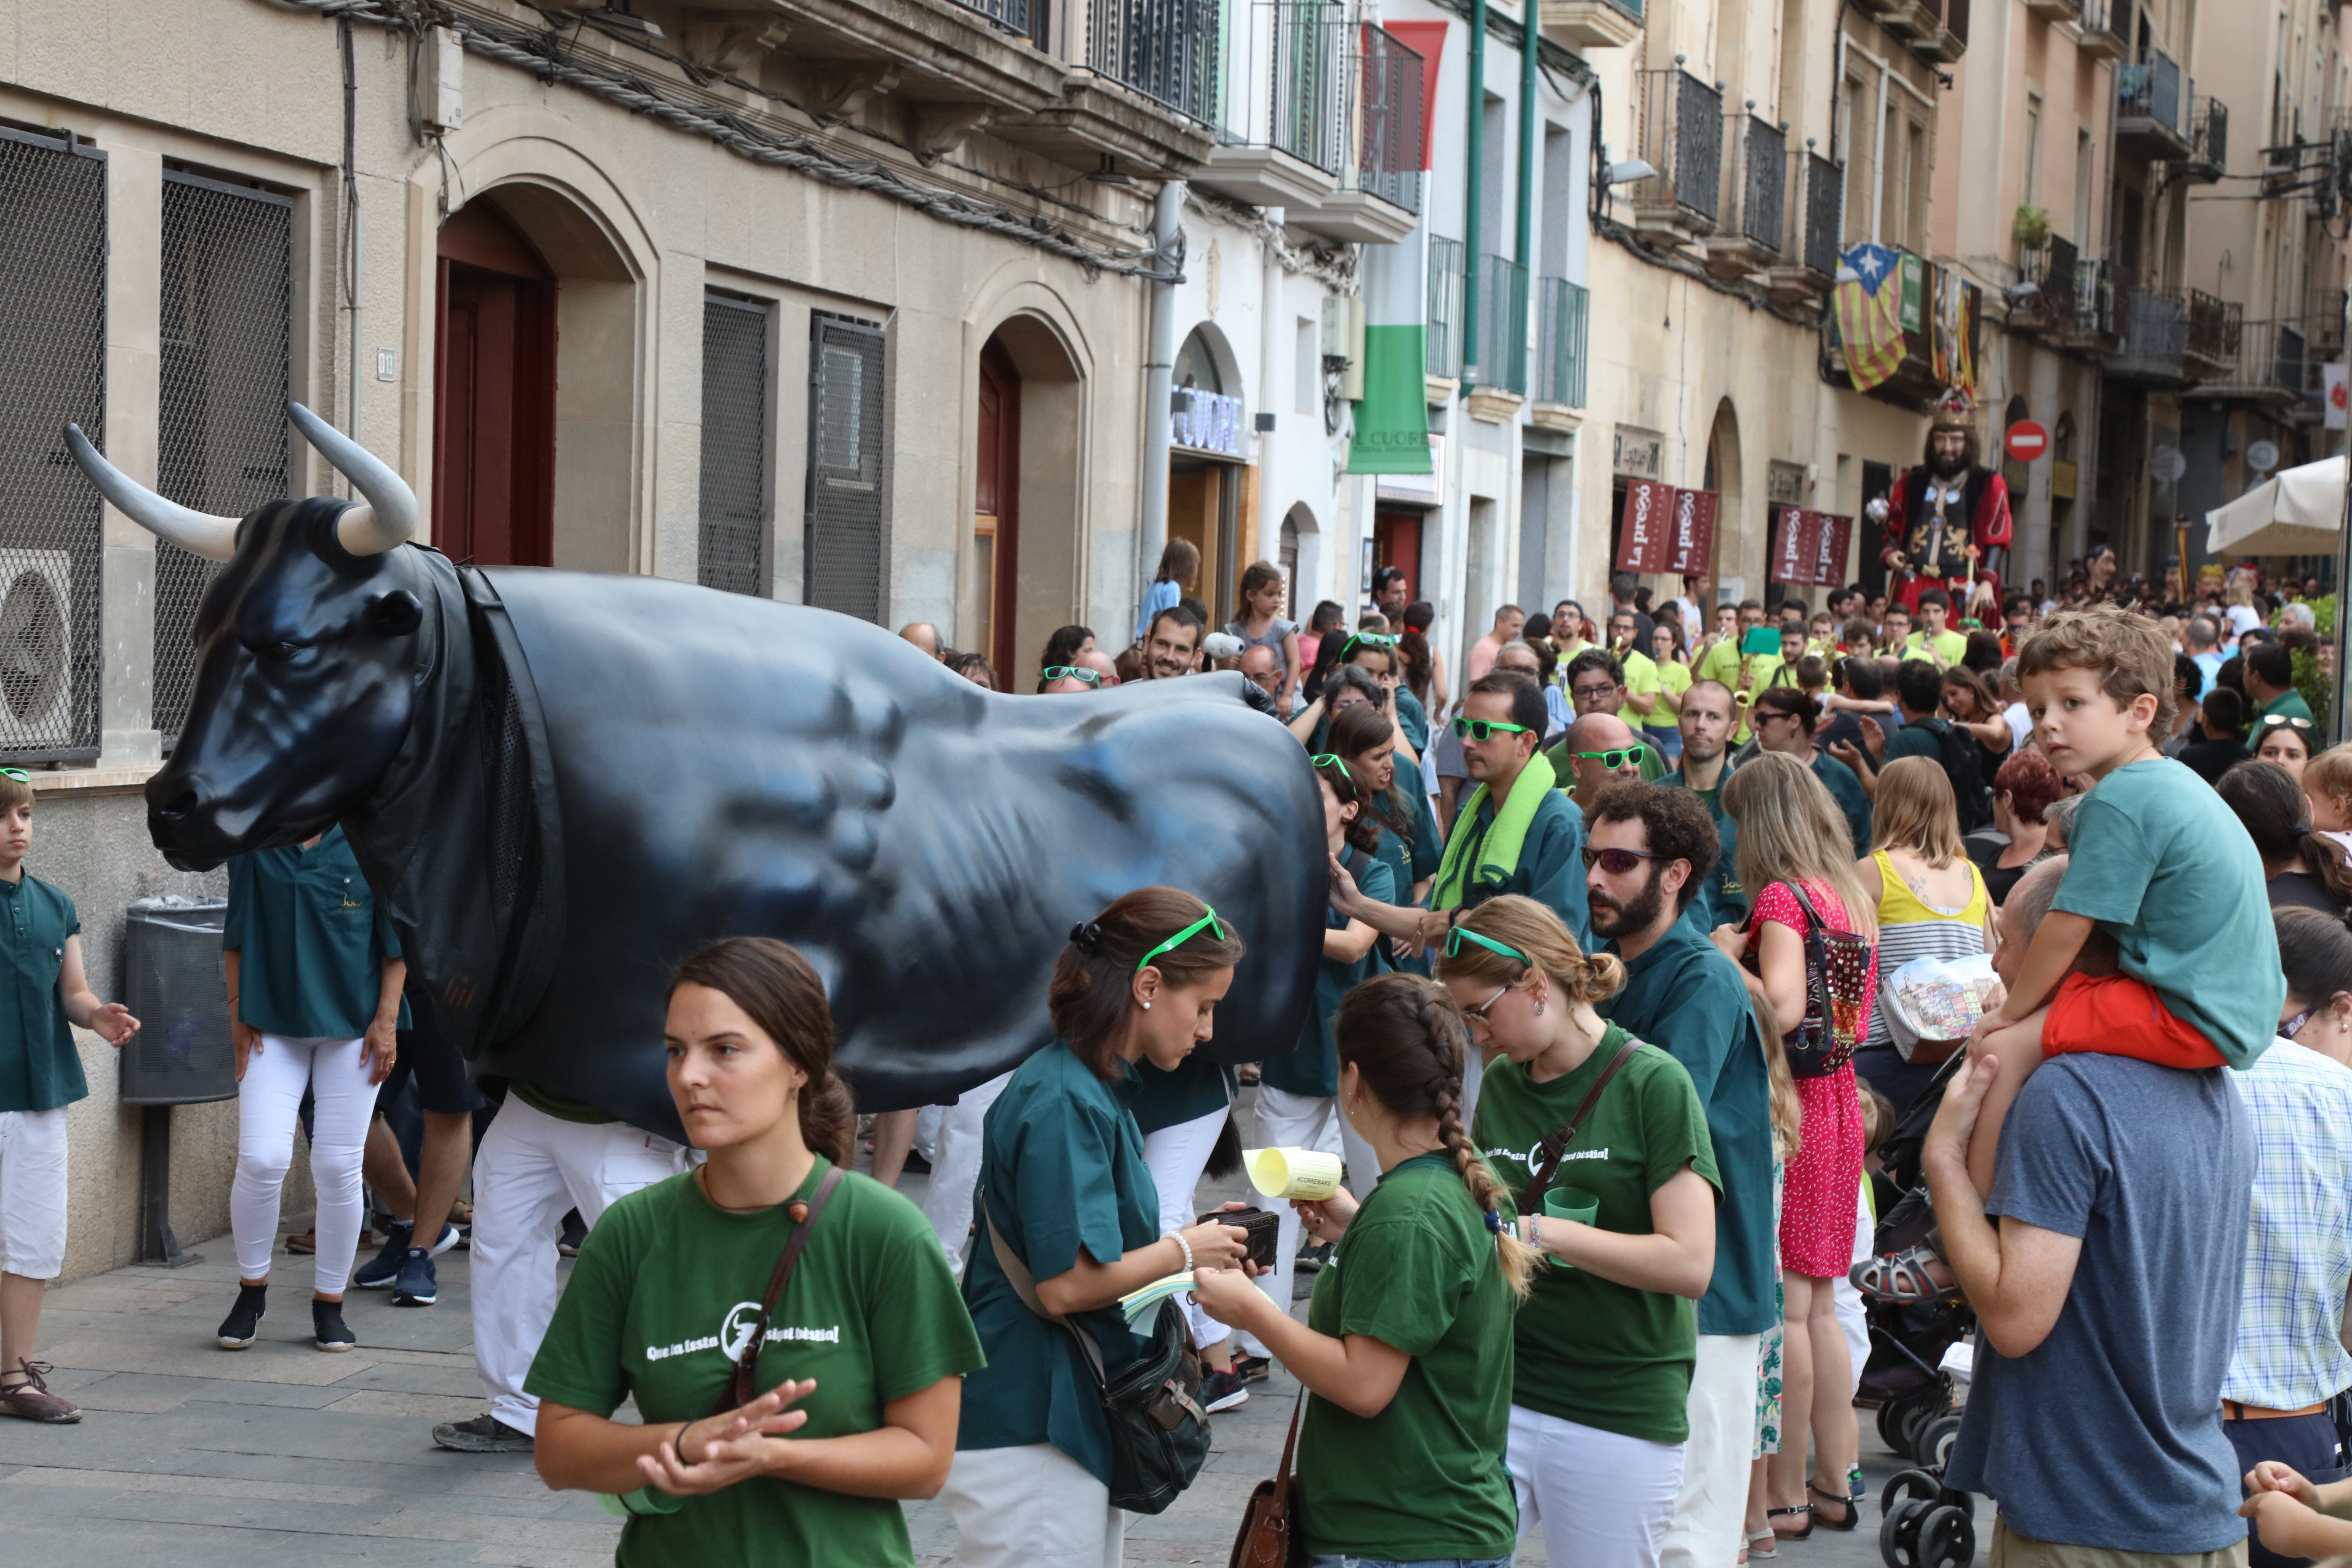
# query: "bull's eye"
278,652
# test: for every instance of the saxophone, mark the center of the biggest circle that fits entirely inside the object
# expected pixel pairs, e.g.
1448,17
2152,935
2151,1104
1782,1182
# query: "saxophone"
1742,696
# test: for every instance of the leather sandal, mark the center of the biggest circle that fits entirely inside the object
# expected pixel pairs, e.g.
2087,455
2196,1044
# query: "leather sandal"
1901,1278
1852,1514
1763,1545
1802,1510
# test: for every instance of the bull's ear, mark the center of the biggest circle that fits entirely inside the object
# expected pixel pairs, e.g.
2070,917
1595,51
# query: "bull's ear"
395,613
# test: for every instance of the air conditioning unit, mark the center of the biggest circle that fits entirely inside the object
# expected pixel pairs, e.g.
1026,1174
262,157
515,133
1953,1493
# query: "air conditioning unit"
37,616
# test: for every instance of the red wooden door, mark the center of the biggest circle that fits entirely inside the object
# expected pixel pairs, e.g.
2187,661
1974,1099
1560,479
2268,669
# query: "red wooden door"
494,435
997,494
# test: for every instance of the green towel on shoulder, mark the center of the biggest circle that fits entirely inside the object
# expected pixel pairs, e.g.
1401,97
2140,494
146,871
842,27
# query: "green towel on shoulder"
1499,851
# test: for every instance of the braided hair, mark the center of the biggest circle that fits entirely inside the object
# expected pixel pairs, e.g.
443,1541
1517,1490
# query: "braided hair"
1405,1036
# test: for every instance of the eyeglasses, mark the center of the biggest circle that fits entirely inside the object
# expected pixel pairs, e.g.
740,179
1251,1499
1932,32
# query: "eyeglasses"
1332,760
1483,728
1072,672
1593,693
1623,757
1457,936
19,775
1208,921
2287,1030
1617,862
1478,1013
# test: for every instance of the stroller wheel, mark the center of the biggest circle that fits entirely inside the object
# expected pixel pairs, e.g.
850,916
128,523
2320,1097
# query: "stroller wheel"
1898,1534
1890,1416
1917,1413
1909,1486
1931,1445
1947,1538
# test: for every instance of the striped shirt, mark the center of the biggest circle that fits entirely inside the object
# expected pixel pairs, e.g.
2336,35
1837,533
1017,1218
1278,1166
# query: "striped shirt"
2299,1241
1909,928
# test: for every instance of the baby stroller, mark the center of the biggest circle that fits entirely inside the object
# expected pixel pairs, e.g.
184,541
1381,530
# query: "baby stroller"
1913,1373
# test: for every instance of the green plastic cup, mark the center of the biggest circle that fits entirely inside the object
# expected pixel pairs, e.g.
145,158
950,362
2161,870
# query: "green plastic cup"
1572,1203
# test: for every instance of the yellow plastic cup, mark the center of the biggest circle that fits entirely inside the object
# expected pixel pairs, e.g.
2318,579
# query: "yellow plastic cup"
1307,1175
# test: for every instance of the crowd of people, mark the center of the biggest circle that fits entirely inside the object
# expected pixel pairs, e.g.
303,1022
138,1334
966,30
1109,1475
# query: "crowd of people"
1608,1038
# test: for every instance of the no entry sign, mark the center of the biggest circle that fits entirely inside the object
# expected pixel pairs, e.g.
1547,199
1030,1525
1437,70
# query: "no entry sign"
2027,440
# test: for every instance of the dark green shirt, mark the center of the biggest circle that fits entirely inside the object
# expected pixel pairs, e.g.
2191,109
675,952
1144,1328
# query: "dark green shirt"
1720,900
310,941
1196,1088
1313,1068
1917,738
1424,1479
1846,790
39,1069
2290,705
1061,1170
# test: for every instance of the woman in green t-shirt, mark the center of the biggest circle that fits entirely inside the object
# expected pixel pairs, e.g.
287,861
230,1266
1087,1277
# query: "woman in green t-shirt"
1610,1332
1064,1195
1407,1346
862,1356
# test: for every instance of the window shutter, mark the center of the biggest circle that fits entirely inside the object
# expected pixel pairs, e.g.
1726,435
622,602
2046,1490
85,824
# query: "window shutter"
844,529
733,553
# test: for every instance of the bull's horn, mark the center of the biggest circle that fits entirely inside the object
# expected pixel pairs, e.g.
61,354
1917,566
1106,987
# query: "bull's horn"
214,538
388,517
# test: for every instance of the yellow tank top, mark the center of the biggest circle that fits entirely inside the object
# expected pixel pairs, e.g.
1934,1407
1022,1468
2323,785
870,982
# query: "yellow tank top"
1898,905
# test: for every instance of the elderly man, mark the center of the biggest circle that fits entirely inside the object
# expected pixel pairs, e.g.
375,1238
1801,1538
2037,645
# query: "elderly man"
1602,750
923,634
1261,669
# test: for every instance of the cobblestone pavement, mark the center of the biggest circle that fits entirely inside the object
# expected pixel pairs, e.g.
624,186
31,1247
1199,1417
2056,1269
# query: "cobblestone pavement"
194,1455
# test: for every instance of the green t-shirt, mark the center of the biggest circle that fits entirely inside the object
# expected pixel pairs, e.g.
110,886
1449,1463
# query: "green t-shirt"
1673,679
1721,899
2157,860
1640,681
1946,647
1916,738
1424,1479
40,1067
665,1289
310,942
1846,790
1589,1351
1196,1088
2290,705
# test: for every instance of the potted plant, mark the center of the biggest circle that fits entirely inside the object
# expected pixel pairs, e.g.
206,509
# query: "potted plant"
2032,229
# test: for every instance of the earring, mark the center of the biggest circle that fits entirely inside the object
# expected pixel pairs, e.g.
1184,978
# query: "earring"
1539,1007
1147,1006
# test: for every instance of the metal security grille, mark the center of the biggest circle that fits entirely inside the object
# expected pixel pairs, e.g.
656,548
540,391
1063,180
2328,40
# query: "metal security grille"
844,529
734,535
52,369
227,325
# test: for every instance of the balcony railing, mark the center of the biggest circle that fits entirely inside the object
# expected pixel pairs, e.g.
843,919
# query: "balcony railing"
1762,160
1562,313
2214,328
1309,80
2208,134
1388,152
2150,99
1444,332
1816,195
2073,300
1681,138
1502,357
1164,49
1012,16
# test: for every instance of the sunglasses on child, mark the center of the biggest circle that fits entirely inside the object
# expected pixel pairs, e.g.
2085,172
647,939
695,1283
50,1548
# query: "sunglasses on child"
1483,728
1072,672
19,775
1206,922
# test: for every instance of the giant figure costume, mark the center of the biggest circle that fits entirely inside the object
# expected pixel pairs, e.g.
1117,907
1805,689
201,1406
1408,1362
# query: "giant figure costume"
1932,517
561,784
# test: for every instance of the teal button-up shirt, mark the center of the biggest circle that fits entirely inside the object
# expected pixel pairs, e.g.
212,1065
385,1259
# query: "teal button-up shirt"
312,944
39,1069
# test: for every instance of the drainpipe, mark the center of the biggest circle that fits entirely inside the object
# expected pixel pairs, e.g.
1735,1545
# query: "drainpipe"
1523,249
354,237
1159,368
1472,192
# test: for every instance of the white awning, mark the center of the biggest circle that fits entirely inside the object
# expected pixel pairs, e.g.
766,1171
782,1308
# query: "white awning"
2297,512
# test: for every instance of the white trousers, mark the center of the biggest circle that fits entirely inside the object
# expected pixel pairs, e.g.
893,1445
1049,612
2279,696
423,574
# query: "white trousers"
1287,1121
33,1192
1178,1155
269,1108
1031,1504
1602,1498
955,1168
1712,1503
927,1129
530,1168
1849,1314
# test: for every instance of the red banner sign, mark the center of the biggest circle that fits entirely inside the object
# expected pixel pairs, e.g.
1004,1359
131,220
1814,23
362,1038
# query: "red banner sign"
1811,547
1646,539
1694,547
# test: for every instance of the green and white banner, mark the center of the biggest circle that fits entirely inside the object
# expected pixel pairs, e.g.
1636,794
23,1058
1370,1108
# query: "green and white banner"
1392,420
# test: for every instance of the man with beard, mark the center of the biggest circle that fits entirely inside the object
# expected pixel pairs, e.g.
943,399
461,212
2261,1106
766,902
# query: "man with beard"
1649,849
1171,645
1945,517
1391,592
1705,724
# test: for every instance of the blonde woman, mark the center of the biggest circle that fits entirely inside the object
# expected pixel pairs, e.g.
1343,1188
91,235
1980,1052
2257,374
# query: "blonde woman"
1605,1345
1794,849
1932,902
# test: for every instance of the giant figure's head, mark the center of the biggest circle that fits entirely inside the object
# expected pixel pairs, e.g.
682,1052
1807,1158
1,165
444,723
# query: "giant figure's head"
306,650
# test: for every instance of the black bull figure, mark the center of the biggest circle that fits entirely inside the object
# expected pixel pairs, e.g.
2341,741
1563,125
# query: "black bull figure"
559,784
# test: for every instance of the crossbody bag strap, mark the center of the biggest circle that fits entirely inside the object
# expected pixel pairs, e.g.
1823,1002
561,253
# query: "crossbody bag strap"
1556,1146
1282,1471
740,1391
1025,1287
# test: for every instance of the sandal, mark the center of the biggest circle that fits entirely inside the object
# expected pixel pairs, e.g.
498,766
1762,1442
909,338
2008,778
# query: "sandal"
1803,1511
1901,1278
1852,1514
1768,1550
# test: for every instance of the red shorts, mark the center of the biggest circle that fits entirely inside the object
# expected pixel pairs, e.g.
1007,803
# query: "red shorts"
2116,1015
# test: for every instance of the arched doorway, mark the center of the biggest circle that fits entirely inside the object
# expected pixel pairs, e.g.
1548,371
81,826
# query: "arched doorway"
1205,470
1723,476
1028,425
494,427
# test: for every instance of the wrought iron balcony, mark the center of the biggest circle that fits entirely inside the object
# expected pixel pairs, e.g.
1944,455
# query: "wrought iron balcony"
1443,331
1501,363
2208,141
2151,330
1751,234
2151,109
2100,38
1282,125
1681,138
1562,316
1815,196
1164,49
1380,180
2268,364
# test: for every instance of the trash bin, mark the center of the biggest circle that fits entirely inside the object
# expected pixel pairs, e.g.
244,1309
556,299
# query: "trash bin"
174,984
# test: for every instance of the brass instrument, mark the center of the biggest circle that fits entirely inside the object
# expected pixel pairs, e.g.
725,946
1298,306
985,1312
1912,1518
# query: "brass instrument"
1741,696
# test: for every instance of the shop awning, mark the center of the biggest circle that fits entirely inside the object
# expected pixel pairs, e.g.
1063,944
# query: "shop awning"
2297,512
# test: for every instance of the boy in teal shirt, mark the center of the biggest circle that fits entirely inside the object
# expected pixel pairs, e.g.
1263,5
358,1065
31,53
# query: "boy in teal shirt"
42,990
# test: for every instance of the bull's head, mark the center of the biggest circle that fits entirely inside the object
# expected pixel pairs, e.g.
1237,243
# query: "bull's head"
305,655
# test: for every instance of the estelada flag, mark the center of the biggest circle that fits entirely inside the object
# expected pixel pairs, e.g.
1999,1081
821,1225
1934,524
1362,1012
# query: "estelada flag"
1867,300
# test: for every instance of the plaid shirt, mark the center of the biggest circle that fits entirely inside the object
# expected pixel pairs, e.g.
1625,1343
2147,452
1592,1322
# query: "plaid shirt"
2299,1247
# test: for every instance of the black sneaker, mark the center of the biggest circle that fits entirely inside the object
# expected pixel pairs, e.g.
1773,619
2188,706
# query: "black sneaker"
417,1286
575,1231
381,1270
485,1433
1223,1391
1251,1368
244,1320
1312,1257
327,1326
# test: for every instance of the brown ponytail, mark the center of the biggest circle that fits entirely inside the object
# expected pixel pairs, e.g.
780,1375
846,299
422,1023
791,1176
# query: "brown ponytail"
780,991
1405,1038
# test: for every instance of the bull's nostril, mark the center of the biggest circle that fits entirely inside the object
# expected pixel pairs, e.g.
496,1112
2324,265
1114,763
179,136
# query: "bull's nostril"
179,807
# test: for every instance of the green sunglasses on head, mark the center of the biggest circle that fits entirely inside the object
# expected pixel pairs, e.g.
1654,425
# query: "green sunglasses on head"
1208,921
1619,758
1457,936
19,775
1483,728
1332,759
1071,672
1380,640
